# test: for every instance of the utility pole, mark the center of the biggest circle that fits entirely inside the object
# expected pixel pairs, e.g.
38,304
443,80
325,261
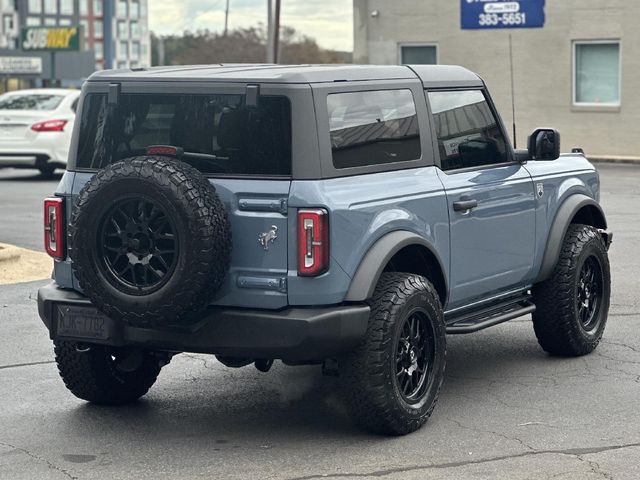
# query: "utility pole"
270,58
226,19
276,34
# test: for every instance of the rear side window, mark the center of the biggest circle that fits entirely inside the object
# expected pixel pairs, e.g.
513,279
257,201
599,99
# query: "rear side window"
218,133
468,132
373,128
30,102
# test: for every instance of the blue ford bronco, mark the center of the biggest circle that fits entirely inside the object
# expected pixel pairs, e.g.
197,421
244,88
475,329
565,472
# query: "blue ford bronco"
349,216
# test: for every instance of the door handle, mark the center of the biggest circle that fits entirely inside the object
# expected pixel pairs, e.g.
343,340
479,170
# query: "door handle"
465,205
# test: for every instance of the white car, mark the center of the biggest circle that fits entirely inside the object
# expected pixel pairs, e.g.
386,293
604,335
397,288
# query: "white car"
35,128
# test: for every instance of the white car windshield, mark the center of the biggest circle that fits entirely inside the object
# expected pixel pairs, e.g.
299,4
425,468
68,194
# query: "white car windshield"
38,101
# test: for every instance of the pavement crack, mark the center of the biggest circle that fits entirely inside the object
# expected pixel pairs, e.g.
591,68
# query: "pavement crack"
28,364
572,452
50,465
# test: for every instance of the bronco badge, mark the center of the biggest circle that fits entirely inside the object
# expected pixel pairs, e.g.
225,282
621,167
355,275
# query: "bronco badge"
268,237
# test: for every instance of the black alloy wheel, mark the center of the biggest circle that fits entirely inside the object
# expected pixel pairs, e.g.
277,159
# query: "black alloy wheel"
138,245
415,356
589,293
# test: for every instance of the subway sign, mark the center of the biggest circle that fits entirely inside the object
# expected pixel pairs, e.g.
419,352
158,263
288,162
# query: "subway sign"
481,14
50,39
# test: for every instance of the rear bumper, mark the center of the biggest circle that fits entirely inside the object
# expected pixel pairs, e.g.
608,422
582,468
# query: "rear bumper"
295,334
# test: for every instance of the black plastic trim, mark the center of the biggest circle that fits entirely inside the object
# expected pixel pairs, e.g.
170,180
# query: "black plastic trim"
294,334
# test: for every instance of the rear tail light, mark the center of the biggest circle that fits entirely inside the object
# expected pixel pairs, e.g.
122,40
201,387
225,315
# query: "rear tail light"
49,126
313,242
54,227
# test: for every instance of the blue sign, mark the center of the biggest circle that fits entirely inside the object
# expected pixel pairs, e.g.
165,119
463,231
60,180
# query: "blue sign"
479,14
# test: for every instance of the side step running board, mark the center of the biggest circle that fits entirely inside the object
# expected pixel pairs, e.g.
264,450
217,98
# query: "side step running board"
488,317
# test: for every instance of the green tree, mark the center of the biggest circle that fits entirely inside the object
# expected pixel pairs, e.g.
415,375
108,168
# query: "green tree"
242,45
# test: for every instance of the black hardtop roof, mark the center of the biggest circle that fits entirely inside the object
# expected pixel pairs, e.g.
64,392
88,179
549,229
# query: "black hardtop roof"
432,75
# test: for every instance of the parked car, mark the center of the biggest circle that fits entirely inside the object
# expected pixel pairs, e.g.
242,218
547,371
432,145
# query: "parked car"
35,128
349,216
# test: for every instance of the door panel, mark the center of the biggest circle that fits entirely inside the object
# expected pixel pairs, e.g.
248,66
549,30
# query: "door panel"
492,244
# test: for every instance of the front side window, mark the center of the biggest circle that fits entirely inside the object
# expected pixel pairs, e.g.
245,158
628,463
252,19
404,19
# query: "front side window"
597,73
373,128
468,132
418,54
219,134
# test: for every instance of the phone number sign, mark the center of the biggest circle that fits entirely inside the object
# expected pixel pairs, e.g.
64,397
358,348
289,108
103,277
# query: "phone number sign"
480,14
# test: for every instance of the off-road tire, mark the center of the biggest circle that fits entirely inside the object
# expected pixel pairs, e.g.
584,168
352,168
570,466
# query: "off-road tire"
556,320
201,224
90,373
368,373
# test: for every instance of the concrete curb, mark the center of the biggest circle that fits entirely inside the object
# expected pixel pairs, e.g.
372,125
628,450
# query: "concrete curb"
9,252
623,160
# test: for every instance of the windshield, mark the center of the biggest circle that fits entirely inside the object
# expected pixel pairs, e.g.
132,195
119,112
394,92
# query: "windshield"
219,134
31,101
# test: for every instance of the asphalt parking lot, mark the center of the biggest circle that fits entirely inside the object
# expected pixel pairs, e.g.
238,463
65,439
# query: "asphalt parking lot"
507,410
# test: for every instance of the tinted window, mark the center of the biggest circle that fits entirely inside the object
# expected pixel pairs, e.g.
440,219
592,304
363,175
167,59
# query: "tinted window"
372,128
468,132
30,102
218,133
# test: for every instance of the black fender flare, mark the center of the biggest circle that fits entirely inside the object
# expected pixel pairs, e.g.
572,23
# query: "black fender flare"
567,211
376,259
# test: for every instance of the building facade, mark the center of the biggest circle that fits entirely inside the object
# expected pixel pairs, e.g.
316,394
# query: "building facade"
578,72
115,31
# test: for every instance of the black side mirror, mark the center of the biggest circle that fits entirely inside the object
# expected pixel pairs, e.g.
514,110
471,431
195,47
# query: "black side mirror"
544,144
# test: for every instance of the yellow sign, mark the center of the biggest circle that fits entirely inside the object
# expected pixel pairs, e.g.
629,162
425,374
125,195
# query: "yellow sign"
50,38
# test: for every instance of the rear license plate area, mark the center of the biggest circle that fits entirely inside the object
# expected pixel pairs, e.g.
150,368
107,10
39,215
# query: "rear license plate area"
84,323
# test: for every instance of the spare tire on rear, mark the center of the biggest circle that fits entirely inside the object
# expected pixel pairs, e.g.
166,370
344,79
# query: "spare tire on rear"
150,241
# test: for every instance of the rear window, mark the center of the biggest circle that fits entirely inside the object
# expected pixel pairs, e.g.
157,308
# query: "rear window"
218,133
373,128
30,102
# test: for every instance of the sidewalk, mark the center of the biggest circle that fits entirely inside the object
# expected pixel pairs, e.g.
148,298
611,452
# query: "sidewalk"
19,265
614,159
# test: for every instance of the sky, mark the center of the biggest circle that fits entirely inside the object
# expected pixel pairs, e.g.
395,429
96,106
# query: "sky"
328,21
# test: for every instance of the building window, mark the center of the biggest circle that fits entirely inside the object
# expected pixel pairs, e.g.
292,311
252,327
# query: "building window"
8,23
135,9
51,6
64,22
123,50
122,65
97,29
50,22
135,51
373,128
469,134
35,6
122,8
596,72
99,50
144,50
84,7
122,30
84,24
143,8
66,7
418,54
33,22
97,7
135,29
